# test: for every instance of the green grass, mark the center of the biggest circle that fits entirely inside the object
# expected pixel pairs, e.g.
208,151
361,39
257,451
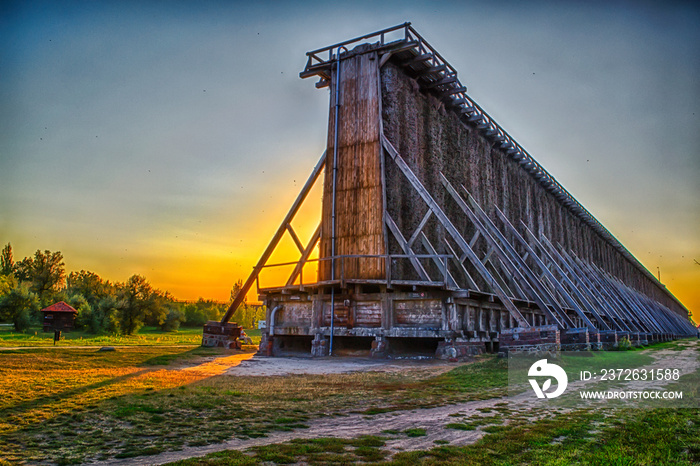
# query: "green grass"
73,406
309,451
585,437
145,336
119,402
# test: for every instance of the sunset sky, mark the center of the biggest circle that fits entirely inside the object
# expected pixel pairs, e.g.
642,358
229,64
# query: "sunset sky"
169,138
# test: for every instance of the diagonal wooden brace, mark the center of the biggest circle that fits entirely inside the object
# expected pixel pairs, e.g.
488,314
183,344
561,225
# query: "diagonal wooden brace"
452,230
275,239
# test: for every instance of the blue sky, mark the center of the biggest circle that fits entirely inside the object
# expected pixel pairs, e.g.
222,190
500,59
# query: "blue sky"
169,138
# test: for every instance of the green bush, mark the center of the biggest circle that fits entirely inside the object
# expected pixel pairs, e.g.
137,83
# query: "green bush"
173,320
20,306
624,344
197,314
194,316
80,304
24,320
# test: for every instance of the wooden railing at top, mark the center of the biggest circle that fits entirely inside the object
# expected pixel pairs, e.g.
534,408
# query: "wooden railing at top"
442,259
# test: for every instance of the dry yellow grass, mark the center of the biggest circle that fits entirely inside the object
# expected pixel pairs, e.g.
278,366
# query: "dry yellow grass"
70,405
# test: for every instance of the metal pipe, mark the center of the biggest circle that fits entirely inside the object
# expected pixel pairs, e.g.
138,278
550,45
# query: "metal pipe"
271,331
335,176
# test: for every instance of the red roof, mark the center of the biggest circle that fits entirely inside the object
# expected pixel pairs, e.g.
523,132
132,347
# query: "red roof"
59,307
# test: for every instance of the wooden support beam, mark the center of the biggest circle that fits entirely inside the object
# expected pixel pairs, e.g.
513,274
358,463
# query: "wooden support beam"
512,262
420,227
530,252
394,228
619,311
442,82
385,58
474,239
449,279
432,71
451,229
471,284
628,309
295,238
487,257
452,91
419,59
455,102
584,284
305,256
275,239
649,318
628,312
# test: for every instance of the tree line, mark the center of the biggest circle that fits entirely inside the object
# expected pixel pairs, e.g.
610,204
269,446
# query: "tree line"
36,282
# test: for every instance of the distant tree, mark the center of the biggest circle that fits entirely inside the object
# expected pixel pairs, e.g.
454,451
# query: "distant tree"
173,319
49,273
194,317
244,315
197,314
247,316
45,272
19,305
104,316
23,270
162,303
80,304
89,285
7,282
235,290
136,300
7,265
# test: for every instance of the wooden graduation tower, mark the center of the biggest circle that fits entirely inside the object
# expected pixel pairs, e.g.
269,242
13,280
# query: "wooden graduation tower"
439,233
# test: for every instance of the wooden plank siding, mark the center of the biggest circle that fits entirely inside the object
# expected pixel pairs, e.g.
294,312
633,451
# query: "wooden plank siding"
359,202
432,139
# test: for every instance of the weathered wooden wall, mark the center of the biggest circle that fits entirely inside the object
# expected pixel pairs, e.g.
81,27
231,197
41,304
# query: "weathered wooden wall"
432,139
359,228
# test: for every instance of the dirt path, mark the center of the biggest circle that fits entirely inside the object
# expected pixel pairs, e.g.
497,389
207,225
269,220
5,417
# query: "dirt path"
433,420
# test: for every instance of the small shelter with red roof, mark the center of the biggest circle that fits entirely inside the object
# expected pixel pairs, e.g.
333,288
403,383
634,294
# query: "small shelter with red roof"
59,316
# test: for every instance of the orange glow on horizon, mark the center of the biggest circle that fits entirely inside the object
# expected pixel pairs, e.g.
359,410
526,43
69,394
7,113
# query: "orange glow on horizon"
211,272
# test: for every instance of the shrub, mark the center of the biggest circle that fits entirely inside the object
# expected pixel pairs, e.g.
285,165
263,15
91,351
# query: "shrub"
20,306
624,344
173,320
195,316
24,320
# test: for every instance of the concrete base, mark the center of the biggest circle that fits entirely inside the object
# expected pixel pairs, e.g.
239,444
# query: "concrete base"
644,339
217,334
608,339
532,339
266,345
576,339
635,340
320,346
380,348
454,350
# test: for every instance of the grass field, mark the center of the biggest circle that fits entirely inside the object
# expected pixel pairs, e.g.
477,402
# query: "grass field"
75,405
146,336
